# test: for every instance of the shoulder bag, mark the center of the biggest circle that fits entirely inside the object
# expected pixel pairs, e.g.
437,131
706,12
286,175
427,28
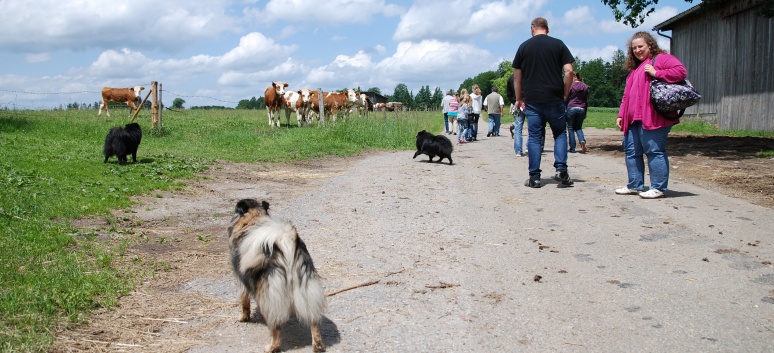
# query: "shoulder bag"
671,99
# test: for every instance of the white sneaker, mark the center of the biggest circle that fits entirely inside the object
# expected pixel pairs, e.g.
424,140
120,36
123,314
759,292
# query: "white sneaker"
626,191
652,194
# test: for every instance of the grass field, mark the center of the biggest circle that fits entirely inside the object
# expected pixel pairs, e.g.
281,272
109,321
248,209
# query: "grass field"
52,172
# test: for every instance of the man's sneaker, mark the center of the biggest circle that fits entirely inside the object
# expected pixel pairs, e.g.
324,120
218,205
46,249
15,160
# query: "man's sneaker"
533,183
564,179
652,194
626,191
519,154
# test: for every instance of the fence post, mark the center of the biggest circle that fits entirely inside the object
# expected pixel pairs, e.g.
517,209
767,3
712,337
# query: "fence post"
161,102
321,102
140,107
155,105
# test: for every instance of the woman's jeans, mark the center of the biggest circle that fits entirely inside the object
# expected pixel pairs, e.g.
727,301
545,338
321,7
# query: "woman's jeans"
473,126
518,127
652,143
463,129
537,117
575,117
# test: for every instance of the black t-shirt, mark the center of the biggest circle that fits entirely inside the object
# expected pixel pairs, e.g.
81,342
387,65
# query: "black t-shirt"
540,59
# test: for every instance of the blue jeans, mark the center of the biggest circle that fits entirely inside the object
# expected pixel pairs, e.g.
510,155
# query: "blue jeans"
462,125
575,117
652,143
537,117
518,127
494,124
473,126
446,122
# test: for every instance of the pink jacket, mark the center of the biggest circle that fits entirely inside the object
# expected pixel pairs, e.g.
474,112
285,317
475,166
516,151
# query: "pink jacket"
636,105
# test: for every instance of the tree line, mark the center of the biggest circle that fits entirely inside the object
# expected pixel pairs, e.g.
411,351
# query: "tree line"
606,81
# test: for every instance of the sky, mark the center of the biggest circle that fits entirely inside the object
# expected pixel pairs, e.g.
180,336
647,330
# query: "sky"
218,52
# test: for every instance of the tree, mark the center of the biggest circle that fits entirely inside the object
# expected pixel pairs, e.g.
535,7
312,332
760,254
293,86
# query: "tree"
423,99
435,101
375,90
633,12
402,94
178,103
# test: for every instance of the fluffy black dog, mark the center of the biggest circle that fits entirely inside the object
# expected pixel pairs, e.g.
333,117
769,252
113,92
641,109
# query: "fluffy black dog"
434,145
123,141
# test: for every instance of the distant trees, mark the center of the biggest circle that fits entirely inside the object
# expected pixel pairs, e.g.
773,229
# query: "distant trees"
178,103
251,103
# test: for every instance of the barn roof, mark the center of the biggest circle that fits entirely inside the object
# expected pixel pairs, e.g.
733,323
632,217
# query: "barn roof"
732,9
669,24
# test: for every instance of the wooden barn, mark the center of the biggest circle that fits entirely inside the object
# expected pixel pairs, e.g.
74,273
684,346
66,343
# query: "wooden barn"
728,53
375,98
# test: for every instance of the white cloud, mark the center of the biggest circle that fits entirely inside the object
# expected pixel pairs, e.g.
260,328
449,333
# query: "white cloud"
255,51
141,24
465,20
316,13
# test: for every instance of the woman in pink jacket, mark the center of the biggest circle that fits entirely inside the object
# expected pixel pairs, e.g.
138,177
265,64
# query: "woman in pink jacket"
645,131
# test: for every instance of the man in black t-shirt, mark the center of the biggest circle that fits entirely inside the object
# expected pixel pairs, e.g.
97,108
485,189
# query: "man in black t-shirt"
541,79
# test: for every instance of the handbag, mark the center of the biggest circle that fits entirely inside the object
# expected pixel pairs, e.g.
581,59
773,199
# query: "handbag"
671,99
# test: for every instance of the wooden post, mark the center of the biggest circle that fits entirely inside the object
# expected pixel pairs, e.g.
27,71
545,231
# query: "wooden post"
155,104
321,101
161,102
140,107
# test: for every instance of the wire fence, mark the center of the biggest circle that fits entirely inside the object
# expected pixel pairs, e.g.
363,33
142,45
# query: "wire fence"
29,100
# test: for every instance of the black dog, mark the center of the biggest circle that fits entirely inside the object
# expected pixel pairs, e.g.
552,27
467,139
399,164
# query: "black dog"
434,145
123,141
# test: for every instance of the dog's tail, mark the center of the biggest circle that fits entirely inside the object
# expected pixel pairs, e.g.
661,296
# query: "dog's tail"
291,281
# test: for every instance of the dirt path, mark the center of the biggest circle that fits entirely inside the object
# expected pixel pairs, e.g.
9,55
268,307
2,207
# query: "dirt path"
467,259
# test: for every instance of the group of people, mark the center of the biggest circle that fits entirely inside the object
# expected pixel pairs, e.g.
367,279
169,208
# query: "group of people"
543,98
463,110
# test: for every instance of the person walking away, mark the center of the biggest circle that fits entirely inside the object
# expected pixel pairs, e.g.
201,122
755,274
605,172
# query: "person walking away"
577,102
538,85
645,131
452,114
494,104
478,102
517,128
445,107
462,116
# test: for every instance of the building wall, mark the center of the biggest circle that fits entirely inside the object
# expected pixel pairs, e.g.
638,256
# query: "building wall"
728,58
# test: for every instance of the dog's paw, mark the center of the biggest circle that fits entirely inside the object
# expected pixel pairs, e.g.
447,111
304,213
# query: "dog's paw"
244,318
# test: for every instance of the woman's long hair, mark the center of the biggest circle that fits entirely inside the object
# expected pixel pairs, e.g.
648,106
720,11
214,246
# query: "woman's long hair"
632,62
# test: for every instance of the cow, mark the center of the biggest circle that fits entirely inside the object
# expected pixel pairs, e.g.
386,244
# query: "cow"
333,102
120,95
361,104
380,106
296,102
272,97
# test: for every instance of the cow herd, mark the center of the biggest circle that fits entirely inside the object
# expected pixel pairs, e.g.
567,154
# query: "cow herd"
306,104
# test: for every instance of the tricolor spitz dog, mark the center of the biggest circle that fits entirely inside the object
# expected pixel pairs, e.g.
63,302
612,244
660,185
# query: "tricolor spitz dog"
275,269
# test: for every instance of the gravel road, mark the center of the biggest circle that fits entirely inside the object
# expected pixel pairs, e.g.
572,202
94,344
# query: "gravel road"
468,259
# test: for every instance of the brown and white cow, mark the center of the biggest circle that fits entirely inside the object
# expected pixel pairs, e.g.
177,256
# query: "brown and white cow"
334,102
273,99
120,95
296,102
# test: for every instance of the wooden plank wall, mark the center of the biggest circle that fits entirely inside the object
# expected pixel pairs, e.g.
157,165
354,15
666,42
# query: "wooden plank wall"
729,62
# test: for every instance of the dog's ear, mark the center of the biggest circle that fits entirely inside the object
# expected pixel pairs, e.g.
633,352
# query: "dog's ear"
245,205
265,206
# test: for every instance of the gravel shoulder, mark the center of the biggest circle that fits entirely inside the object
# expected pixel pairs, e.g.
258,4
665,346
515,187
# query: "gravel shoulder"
466,257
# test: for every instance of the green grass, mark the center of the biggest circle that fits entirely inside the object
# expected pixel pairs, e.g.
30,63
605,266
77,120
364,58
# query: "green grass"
52,172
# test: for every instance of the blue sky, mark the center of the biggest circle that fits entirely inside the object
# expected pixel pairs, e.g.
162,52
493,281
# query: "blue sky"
217,52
